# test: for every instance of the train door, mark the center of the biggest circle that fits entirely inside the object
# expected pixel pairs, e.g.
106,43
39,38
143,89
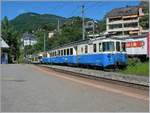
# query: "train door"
76,54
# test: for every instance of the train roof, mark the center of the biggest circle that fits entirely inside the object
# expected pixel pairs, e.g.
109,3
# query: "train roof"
88,40
136,37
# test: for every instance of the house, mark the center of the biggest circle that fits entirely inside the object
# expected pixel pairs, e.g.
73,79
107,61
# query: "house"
124,21
29,39
3,51
51,34
91,29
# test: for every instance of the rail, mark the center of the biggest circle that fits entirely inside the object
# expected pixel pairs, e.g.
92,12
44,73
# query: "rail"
111,77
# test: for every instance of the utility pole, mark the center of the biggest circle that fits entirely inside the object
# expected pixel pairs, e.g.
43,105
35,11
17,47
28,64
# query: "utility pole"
83,28
58,29
93,29
44,43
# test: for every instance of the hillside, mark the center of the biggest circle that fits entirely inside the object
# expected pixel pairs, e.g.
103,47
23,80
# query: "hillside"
33,21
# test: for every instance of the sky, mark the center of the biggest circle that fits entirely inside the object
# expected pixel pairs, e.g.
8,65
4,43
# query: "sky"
93,9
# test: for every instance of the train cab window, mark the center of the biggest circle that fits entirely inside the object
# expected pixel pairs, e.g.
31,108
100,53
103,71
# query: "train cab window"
71,51
100,47
94,48
61,52
86,49
123,45
108,46
64,51
117,46
67,51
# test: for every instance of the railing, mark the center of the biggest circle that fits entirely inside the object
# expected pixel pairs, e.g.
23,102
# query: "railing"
123,21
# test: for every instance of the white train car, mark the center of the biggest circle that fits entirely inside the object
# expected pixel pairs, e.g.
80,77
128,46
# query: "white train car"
138,46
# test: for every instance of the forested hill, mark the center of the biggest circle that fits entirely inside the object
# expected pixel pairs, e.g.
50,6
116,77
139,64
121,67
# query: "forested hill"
34,21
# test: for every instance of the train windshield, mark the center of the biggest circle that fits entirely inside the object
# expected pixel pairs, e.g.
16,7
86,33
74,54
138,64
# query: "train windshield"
108,46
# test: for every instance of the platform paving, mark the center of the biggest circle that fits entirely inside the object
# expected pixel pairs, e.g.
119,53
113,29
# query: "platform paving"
28,89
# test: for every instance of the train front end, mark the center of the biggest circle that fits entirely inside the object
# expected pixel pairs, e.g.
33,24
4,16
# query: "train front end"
114,53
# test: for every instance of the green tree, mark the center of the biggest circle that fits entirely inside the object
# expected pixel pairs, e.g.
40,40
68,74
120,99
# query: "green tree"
39,46
144,21
70,31
102,25
12,39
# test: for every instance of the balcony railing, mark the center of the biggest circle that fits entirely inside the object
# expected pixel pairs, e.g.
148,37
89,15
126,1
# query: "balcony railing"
123,29
123,21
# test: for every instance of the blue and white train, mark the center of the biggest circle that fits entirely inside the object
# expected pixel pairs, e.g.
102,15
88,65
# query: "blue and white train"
102,52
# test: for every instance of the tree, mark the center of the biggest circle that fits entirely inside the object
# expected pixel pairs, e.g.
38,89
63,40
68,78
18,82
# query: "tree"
12,39
144,21
70,31
39,46
102,25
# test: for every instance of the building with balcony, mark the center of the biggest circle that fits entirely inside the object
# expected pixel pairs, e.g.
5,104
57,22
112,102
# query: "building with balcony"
124,21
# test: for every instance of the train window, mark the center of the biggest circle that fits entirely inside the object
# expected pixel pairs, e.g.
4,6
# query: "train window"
86,49
117,46
100,47
61,52
94,48
64,51
81,49
67,51
71,51
108,46
58,52
123,45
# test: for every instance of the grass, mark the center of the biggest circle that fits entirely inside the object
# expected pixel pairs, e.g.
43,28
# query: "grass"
137,68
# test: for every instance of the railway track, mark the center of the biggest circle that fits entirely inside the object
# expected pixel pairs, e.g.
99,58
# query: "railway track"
88,76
